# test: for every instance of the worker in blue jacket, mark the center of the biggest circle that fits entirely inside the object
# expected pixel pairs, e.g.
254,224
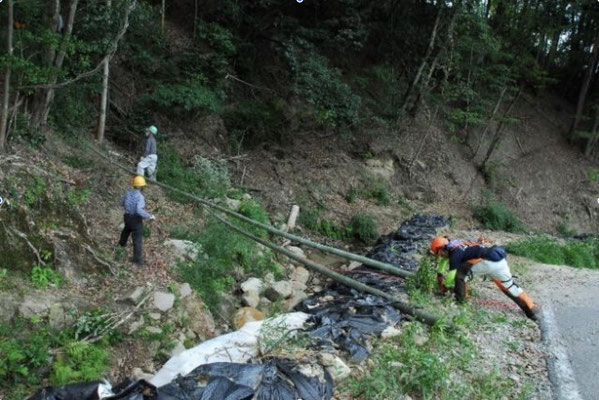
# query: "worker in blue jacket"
134,213
461,260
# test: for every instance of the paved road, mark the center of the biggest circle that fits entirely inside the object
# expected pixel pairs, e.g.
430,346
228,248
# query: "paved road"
570,325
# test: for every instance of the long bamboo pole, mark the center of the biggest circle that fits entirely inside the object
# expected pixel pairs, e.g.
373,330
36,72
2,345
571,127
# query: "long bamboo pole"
347,255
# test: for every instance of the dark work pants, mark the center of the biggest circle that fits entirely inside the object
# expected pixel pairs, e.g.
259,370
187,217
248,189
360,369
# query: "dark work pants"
133,224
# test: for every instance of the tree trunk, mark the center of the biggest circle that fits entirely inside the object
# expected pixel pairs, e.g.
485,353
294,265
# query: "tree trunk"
40,117
427,54
104,96
162,17
594,136
553,48
584,89
6,94
495,109
498,131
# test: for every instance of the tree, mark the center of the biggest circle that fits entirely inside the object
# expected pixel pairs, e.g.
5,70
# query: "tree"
6,93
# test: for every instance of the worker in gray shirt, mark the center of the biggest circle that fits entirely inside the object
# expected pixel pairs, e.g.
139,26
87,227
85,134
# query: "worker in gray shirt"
133,204
150,158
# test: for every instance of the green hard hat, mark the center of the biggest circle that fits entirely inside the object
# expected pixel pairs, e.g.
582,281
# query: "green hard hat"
153,130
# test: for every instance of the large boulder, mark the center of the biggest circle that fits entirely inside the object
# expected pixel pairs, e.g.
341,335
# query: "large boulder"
301,274
182,249
252,289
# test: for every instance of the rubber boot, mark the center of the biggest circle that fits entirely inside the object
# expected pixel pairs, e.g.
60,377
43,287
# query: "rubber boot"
525,303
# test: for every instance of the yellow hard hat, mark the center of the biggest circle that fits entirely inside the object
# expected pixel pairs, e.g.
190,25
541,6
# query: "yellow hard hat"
139,181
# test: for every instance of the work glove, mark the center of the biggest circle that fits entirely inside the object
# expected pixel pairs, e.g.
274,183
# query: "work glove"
152,218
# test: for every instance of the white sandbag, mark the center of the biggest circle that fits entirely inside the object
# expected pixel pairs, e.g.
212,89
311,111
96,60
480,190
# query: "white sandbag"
238,346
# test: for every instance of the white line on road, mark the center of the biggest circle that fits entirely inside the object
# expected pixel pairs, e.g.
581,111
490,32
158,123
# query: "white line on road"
560,369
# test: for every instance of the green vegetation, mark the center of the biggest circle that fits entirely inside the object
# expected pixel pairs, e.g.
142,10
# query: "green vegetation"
78,197
376,190
42,276
580,254
26,359
496,216
425,279
361,226
213,270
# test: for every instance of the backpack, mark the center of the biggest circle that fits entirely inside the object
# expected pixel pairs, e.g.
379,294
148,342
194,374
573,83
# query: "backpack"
495,253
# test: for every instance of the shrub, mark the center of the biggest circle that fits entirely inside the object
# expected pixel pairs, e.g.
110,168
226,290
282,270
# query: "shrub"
252,122
379,192
42,276
580,254
363,227
185,99
213,176
80,362
173,172
496,216
425,278
309,218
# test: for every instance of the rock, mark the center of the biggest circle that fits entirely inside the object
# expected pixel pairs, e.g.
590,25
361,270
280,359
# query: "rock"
154,330
301,274
183,249
279,290
135,325
390,332
178,349
36,304
336,367
298,286
8,307
295,299
269,278
246,314
246,196
264,303
420,340
251,299
297,251
56,316
253,285
189,334
185,290
163,301
154,316
134,296
227,305
232,204
139,374
198,317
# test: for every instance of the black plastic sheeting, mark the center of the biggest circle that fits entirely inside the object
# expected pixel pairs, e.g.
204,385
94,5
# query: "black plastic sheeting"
398,248
274,380
344,318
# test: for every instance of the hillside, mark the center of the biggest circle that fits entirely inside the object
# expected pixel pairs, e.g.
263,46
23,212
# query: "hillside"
364,115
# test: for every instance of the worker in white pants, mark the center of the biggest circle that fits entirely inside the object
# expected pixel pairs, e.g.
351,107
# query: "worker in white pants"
150,158
461,260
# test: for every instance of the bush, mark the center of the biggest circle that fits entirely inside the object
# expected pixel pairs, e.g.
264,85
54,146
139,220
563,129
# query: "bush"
496,216
81,362
363,227
580,254
425,278
185,99
214,177
42,276
252,122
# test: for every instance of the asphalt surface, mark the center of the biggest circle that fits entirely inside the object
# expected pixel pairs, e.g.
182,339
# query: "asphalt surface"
570,326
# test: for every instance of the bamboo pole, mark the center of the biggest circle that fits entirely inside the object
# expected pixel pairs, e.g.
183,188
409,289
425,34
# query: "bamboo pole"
347,255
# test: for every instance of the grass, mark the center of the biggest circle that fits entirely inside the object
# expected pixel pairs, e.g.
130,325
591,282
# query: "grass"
496,216
579,254
361,226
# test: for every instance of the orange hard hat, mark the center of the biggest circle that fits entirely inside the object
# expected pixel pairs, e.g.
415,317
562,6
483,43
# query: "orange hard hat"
438,244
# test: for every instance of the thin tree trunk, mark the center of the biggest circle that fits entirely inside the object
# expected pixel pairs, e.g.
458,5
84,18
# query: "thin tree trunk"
162,17
104,96
495,109
195,18
584,89
499,131
553,48
594,136
429,50
6,94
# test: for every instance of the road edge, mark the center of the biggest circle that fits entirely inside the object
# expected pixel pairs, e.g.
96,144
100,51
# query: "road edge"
561,375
